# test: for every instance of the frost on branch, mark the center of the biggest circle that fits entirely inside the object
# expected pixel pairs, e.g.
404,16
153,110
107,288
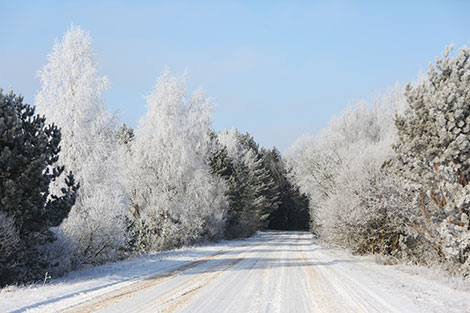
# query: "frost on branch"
433,156
174,197
353,203
253,195
71,97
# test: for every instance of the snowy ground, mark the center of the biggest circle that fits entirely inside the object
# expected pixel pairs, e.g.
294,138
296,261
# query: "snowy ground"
271,272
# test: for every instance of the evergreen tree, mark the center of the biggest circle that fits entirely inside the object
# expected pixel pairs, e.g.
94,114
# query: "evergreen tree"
433,157
29,151
219,160
124,135
291,209
237,194
242,218
253,193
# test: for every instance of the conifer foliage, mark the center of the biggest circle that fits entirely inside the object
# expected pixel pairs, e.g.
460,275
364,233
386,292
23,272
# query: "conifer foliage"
29,151
246,209
260,194
433,157
291,211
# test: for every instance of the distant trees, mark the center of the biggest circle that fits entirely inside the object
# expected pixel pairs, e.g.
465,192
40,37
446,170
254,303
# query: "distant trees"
291,212
29,153
260,195
248,180
71,97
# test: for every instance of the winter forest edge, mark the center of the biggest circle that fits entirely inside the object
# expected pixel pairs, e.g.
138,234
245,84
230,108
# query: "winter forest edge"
78,187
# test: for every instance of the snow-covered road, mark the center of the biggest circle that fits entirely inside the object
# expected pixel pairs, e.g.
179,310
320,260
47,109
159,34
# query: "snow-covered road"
271,272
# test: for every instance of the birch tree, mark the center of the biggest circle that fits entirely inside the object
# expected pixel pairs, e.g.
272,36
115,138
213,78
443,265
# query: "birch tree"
71,96
175,199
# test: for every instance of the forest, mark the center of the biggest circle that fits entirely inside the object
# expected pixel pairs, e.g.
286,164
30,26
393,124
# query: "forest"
79,187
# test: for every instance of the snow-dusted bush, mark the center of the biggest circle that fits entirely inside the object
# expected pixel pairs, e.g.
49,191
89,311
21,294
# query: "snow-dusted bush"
433,158
175,199
71,97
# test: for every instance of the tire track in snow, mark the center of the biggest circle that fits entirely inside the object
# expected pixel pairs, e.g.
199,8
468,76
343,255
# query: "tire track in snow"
282,273
226,281
108,299
175,299
343,294
127,292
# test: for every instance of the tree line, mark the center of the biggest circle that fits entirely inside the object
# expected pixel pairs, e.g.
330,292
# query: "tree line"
391,177
78,187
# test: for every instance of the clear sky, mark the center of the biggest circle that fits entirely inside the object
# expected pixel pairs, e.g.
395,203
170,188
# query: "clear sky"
277,69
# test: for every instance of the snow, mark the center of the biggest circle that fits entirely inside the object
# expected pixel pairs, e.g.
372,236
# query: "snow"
270,272
82,285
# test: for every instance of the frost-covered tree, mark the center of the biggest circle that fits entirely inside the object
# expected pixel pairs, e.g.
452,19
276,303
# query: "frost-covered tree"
433,156
252,194
29,151
175,199
124,135
261,180
353,203
219,161
242,218
291,209
71,97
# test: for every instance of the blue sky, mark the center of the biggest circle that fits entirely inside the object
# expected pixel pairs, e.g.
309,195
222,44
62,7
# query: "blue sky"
277,69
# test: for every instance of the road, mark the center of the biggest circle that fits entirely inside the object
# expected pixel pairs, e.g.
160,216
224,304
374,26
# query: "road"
277,272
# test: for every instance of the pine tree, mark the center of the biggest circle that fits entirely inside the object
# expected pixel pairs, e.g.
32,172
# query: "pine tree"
29,151
219,160
124,135
242,217
433,156
291,209
265,193
253,193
